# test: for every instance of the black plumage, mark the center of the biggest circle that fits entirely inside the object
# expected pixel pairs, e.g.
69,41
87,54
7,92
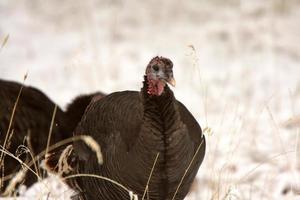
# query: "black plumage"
31,124
77,107
131,128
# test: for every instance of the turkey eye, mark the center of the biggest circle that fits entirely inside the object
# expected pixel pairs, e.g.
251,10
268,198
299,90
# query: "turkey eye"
155,67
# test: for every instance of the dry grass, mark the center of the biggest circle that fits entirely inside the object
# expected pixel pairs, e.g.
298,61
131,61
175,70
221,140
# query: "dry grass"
9,132
247,150
222,190
148,181
224,184
89,141
27,166
4,42
50,129
64,168
19,177
63,165
187,169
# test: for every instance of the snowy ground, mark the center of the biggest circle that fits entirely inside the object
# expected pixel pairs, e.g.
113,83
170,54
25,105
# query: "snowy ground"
237,67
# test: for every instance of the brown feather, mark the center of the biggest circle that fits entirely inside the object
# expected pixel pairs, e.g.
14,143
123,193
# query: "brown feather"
32,119
131,128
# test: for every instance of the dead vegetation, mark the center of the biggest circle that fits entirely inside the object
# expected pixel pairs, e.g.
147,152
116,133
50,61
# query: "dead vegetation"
244,92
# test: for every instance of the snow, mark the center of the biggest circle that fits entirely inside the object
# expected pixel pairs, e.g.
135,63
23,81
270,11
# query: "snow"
236,65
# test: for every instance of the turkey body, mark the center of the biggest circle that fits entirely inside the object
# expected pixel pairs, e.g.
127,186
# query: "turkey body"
77,107
132,128
30,126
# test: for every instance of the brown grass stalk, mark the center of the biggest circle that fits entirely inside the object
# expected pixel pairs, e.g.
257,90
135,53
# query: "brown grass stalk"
148,181
51,128
187,169
10,124
43,153
4,42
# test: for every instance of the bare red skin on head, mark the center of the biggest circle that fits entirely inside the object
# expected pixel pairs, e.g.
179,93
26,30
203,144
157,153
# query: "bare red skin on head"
155,87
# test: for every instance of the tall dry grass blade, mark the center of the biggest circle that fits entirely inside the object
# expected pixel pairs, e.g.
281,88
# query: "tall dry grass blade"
63,166
130,193
50,132
276,127
95,147
29,151
10,123
264,162
52,147
20,175
275,124
4,151
11,176
5,40
9,139
90,142
149,178
51,128
3,164
18,178
28,140
187,169
197,73
10,131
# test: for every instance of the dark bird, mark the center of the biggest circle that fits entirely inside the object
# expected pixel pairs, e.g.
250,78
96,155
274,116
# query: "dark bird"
134,129
76,108
26,125
30,126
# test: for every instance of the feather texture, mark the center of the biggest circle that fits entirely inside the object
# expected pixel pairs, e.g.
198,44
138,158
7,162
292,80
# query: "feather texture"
31,124
131,128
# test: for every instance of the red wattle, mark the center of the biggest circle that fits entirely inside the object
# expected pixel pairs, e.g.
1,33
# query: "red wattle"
155,87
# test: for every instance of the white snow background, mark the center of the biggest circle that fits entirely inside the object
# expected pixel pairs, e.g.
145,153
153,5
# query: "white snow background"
236,63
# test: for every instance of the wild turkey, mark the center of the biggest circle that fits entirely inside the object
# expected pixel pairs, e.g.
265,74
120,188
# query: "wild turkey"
76,108
30,127
132,128
31,123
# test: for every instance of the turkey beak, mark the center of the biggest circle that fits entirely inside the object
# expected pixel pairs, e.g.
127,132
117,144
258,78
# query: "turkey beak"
171,81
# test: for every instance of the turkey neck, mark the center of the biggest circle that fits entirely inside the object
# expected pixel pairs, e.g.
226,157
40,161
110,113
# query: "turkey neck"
162,132
161,110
